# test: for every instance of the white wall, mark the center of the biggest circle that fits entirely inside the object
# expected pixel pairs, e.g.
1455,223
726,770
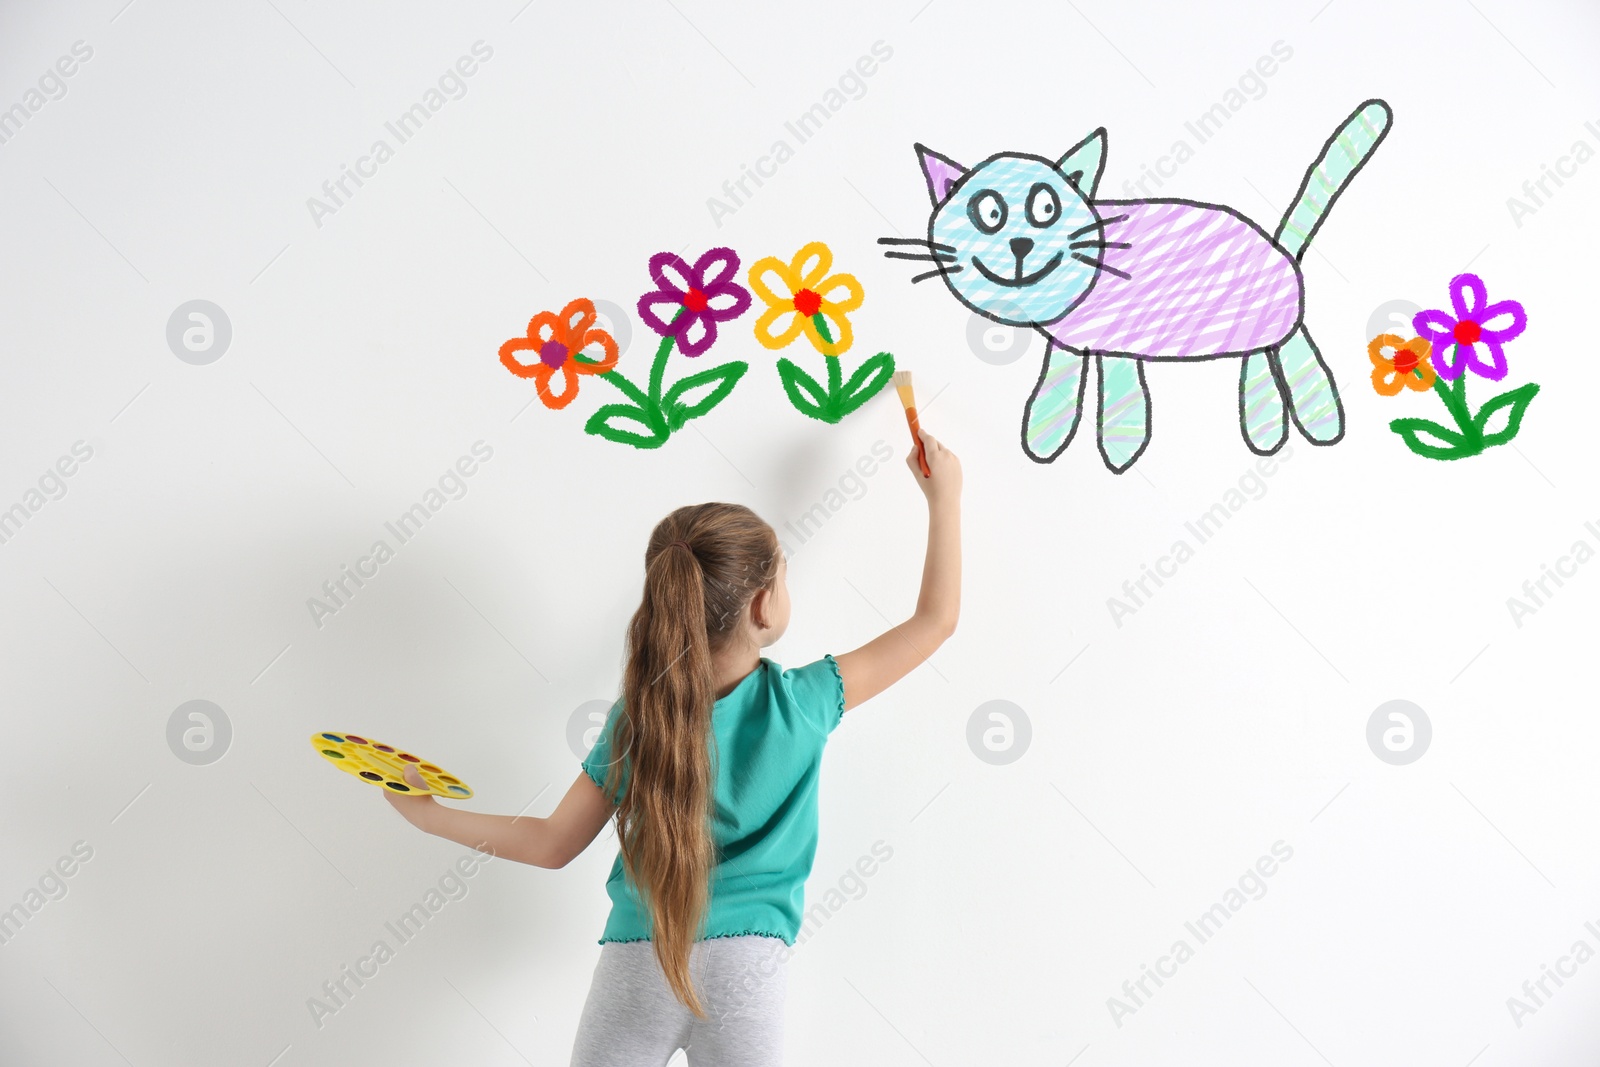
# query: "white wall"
1226,715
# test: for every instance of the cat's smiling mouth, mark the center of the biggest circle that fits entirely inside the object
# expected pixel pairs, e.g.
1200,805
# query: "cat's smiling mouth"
1021,280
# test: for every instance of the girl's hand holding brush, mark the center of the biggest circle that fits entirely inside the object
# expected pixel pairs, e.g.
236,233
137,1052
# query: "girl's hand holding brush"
942,485
937,469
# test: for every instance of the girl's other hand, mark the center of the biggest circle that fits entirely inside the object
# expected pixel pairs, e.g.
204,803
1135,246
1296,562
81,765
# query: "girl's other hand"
944,477
415,807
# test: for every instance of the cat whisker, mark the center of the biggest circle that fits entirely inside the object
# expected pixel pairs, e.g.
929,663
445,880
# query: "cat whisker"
942,272
1098,265
1100,244
1080,231
937,257
925,242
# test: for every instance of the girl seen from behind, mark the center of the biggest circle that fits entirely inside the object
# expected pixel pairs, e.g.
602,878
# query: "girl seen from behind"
709,763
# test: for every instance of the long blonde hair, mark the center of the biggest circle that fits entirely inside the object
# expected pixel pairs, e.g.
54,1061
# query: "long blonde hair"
703,565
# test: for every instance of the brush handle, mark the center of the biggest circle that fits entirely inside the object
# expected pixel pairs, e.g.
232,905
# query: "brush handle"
916,435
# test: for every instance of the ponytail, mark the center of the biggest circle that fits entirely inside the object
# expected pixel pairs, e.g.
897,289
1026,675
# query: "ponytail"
702,566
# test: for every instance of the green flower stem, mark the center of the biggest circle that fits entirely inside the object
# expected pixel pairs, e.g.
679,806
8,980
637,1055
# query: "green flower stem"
835,375
631,391
658,369
661,413
1469,438
649,404
1455,401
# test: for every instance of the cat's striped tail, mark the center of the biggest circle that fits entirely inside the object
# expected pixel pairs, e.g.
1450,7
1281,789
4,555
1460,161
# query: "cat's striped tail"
1344,154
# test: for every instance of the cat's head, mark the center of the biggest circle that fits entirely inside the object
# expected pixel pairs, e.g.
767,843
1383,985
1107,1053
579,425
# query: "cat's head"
1016,238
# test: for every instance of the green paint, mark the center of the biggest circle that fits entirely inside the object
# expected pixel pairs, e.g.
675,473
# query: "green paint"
652,417
1433,441
839,397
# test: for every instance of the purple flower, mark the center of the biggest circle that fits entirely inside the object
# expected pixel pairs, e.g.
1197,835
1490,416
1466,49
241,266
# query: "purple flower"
1459,337
692,300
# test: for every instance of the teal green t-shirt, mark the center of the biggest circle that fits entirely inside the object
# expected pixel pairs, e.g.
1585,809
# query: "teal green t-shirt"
769,731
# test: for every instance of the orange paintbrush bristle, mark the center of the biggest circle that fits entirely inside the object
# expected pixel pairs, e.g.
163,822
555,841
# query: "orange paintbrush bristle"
902,385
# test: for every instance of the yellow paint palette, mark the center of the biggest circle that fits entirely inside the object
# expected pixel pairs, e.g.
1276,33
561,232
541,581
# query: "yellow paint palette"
385,766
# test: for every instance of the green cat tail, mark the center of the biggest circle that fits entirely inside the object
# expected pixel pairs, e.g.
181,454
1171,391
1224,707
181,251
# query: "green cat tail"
1344,154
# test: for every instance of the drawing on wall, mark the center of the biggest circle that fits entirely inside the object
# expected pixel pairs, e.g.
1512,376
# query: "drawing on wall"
809,301
686,307
1022,240
1447,346
695,298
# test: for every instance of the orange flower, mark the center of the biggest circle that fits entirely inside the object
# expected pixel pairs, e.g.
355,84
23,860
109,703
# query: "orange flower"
1407,367
559,341
808,292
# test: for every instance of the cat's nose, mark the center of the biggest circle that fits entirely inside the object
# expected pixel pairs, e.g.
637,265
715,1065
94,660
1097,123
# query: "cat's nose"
1021,246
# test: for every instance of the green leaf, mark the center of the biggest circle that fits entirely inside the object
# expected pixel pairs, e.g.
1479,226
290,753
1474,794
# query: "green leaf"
1516,402
796,384
1455,445
867,381
609,420
720,379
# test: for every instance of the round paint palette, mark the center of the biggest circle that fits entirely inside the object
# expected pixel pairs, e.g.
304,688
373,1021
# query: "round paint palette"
384,765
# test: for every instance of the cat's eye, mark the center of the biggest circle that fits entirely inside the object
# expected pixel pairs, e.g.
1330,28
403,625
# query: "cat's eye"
1044,206
987,210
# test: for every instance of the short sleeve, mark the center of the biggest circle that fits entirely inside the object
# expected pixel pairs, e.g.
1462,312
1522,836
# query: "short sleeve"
818,689
597,764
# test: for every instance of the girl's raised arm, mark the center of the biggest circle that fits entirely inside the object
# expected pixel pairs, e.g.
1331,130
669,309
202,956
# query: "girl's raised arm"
889,657
551,842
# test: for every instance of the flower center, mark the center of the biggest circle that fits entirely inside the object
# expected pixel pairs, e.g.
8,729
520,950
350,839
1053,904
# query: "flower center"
1467,332
694,300
553,354
1405,360
807,303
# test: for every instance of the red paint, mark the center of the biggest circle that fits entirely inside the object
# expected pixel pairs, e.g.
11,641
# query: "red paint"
1405,360
695,300
807,303
1467,332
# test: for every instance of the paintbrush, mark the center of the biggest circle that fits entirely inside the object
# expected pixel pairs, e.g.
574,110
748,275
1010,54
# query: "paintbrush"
908,400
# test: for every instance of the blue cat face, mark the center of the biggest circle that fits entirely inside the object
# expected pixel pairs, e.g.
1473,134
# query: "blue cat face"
1011,221
1015,235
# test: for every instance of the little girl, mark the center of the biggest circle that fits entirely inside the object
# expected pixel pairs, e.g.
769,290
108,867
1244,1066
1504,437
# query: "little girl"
709,763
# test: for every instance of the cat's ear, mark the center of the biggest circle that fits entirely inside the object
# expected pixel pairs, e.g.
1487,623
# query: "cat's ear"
1085,162
942,172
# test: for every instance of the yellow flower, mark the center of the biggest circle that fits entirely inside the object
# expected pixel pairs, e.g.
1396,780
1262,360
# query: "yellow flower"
805,295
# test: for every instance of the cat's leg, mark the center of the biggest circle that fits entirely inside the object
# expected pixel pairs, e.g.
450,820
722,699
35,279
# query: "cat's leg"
1124,411
1051,416
1306,381
1261,405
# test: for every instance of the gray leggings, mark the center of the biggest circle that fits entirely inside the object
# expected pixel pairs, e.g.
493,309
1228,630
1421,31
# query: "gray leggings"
631,1018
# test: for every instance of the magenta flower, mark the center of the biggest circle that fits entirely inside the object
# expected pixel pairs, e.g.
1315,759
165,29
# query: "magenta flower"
692,300
1455,340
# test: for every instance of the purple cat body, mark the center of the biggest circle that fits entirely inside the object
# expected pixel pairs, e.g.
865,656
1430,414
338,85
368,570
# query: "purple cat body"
1200,282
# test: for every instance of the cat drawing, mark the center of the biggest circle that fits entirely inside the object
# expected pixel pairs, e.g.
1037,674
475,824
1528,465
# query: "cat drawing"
1023,240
